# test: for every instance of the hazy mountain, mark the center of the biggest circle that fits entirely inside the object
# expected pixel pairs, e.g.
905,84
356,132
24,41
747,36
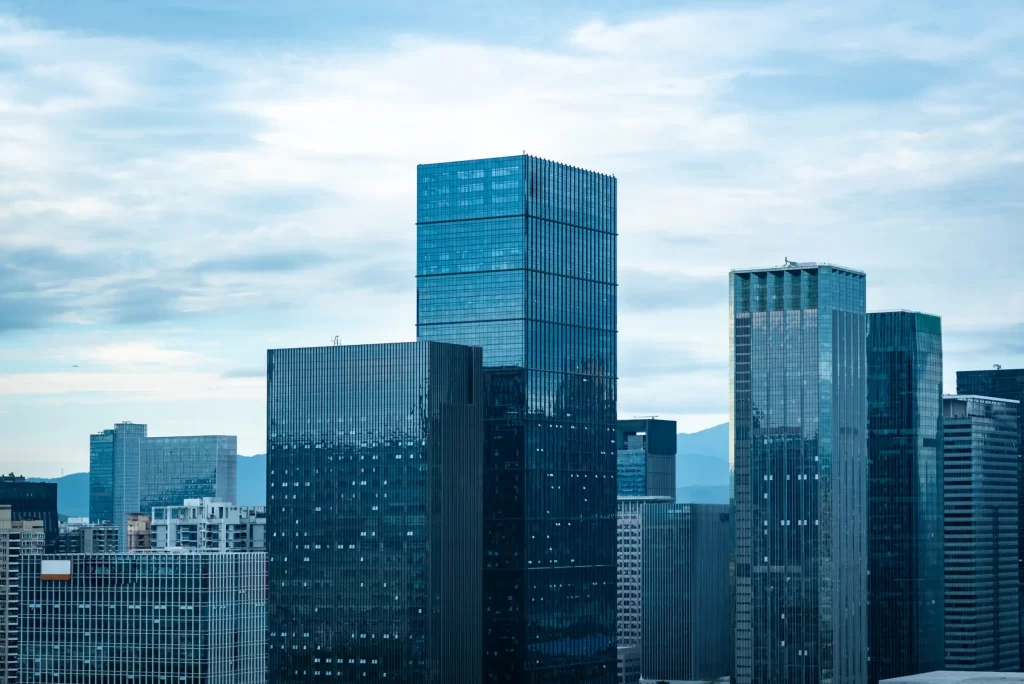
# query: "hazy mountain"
702,466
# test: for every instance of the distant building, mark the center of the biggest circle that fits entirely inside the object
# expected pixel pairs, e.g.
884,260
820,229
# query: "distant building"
32,501
139,532
517,255
132,472
17,538
78,535
374,525
981,499
1004,383
798,415
905,494
211,525
646,457
629,583
144,617
686,592
954,677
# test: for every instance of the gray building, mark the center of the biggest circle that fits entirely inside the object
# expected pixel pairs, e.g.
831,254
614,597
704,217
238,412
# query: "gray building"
629,584
1004,383
905,494
17,538
981,499
210,524
686,592
374,526
131,472
144,617
646,457
798,412
78,535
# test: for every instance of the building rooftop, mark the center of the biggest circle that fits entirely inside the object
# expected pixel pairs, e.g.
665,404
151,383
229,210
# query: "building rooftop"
797,266
950,677
978,396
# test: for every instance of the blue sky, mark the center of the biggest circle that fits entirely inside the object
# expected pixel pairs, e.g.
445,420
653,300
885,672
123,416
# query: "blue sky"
186,183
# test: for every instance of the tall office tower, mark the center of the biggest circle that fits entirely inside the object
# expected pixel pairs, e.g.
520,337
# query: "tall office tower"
1004,383
32,501
17,538
905,516
646,457
148,617
517,255
210,524
981,500
375,464
629,582
131,472
798,452
686,592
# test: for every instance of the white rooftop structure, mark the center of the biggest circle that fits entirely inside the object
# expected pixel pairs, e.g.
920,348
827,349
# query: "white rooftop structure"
951,677
210,524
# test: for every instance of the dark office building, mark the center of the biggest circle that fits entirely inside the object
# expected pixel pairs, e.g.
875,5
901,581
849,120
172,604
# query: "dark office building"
1004,383
686,626
905,512
32,501
798,413
981,501
374,525
517,255
647,457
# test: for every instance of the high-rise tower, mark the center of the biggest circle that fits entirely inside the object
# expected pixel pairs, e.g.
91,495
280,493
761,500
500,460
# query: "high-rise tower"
798,452
517,255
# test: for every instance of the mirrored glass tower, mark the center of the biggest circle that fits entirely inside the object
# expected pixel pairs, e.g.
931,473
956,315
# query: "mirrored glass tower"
517,255
798,453
905,494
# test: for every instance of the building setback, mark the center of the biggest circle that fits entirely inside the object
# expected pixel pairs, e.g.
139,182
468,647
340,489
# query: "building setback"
146,617
17,538
798,412
210,524
905,494
646,457
32,501
629,582
1004,383
130,472
374,471
686,592
517,255
981,499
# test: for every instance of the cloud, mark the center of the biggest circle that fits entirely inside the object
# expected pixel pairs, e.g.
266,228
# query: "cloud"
643,290
245,373
262,262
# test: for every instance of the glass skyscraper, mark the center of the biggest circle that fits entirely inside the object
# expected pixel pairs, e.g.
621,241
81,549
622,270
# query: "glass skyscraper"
981,500
374,525
130,472
905,512
647,457
1004,383
798,453
517,255
686,627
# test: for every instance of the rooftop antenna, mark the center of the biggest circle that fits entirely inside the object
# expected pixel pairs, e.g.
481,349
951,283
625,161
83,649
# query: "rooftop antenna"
336,341
788,262
997,366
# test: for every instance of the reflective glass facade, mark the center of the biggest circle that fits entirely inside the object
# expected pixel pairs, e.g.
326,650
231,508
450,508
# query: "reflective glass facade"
32,501
148,617
101,477
517,255
374,524
131,472
798,453
686,625
647,457
905,494
1004,383
981,500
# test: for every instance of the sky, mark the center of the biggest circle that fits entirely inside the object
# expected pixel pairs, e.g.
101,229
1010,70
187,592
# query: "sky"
187,183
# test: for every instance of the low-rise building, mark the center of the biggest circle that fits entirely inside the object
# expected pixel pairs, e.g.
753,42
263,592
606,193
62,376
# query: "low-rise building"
210,524
78,535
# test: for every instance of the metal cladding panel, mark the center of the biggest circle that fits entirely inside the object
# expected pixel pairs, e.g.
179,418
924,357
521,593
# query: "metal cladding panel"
55,570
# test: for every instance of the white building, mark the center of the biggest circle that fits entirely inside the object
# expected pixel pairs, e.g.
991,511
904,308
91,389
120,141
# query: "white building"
210,524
